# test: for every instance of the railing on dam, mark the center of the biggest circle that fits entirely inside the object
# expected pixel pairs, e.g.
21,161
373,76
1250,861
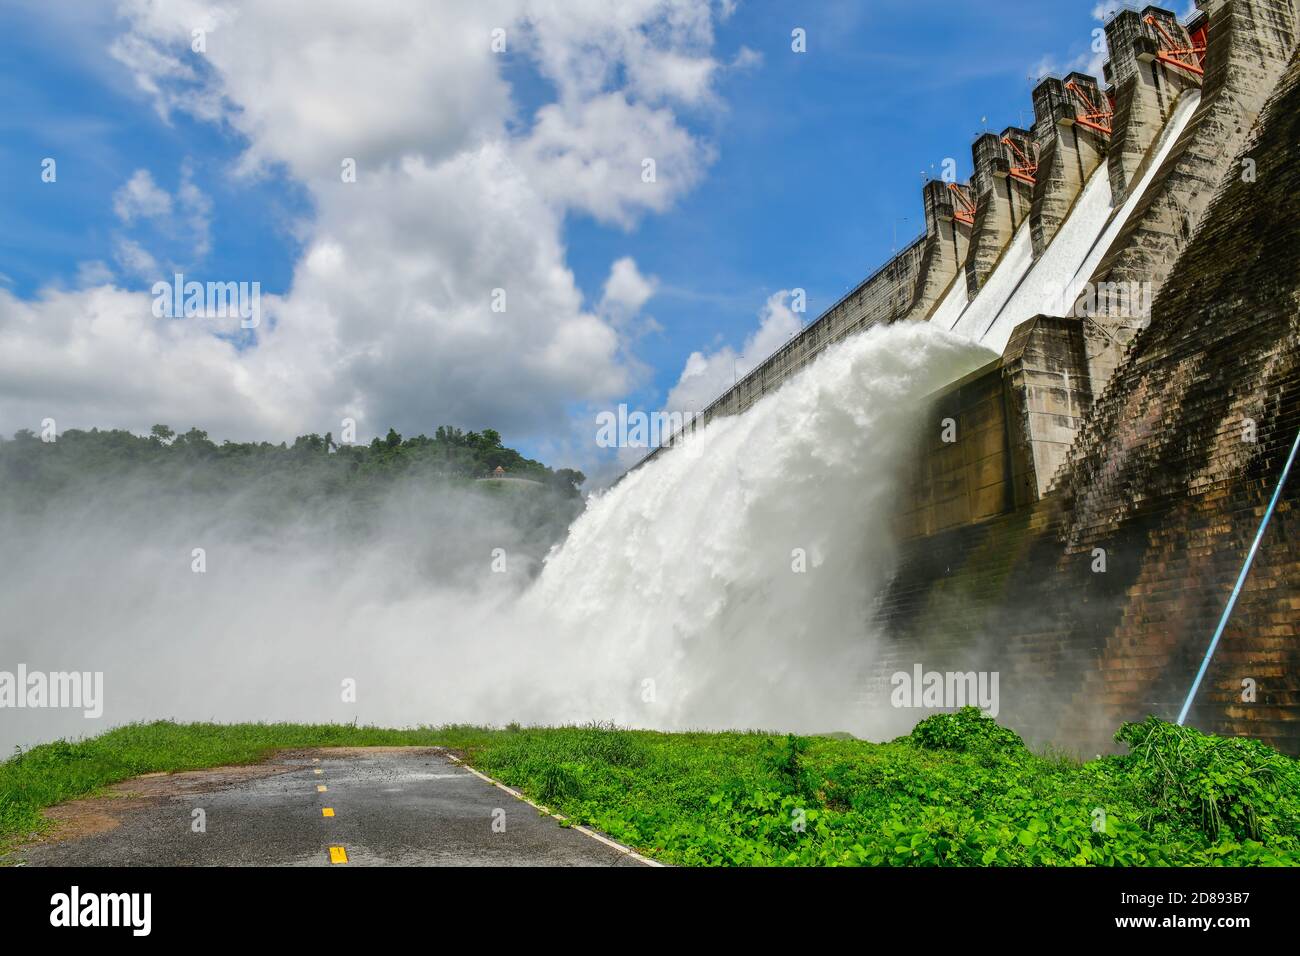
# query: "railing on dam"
813,329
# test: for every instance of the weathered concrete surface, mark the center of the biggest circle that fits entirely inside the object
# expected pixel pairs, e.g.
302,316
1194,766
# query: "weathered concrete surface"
1145,90
1165,488
1068,154
1046,375
392,807
955,483
1016,421
1250,44
946,244
1002,204
1049,391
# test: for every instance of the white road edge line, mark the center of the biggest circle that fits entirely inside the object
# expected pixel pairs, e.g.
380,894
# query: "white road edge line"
625,850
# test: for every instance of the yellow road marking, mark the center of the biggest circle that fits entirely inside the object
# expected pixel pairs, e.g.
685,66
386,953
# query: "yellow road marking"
327,811
338,854
321,788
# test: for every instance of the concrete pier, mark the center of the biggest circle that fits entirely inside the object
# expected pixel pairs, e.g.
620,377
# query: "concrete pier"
947,245
1145,89
1069,151
1250,43
1002,201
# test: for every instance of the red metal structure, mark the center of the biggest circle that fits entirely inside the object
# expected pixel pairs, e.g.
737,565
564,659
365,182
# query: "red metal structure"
1094,116
1200,39
964,211
1027,170
1188,58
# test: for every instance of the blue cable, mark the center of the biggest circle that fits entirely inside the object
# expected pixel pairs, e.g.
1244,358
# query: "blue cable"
1241,580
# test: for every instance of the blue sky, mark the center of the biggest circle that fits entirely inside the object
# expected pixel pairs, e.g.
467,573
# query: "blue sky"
66,98
817,163
821,155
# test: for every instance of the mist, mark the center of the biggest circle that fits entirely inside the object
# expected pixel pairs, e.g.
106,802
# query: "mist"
725,584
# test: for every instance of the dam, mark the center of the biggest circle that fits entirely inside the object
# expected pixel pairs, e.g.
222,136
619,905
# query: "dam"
1075,512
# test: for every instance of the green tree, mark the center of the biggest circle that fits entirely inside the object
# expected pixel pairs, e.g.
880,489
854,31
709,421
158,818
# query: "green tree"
569,479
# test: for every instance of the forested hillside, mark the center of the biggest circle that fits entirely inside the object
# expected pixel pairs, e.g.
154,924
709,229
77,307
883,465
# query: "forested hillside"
27,463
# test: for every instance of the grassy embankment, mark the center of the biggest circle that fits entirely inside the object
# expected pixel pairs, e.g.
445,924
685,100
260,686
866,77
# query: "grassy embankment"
959,790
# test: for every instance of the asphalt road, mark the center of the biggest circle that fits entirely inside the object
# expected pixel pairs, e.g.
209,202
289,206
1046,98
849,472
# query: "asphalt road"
329,807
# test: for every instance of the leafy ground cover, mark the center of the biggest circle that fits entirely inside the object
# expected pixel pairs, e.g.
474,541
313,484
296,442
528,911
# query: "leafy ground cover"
959,790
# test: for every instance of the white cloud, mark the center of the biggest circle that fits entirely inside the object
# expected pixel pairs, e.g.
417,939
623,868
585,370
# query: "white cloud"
706,376
582,44
135,260
185,217
667,74
626,290
388,319
141,197
612,158
100,349
746,59
197,209
93,272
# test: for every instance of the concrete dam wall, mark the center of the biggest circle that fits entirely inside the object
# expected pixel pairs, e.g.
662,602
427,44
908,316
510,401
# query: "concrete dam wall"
1077,511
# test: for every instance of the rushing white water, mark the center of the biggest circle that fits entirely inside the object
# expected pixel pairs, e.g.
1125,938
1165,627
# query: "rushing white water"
1022,287
981,312
674,595
1163,146
953,303
684,574
1042,290
676,600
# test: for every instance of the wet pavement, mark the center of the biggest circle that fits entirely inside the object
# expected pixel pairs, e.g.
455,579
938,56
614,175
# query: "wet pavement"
390,807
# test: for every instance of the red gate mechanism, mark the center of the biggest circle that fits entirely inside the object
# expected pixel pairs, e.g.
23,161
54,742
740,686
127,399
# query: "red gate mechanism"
1027,170
1094,117
965,209
1188,58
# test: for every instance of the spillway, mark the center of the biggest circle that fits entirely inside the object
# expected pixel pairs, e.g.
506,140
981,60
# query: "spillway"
722,585
1078,525
1022,287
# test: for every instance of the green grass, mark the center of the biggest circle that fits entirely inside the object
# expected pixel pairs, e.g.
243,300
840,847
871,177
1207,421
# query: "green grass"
959,790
